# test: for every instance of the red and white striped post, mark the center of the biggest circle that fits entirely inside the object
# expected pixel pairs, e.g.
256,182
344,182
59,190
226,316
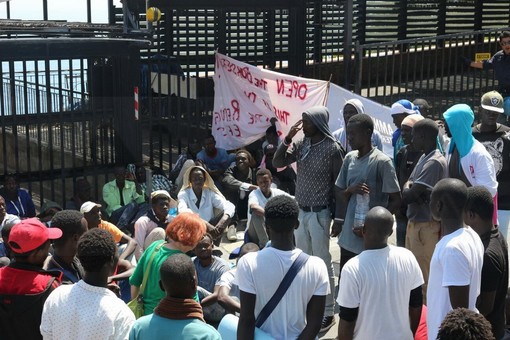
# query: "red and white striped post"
136,102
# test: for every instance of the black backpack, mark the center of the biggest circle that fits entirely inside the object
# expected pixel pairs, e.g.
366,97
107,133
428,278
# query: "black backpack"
20,315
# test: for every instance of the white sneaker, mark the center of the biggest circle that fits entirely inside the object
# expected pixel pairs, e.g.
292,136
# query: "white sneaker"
232,233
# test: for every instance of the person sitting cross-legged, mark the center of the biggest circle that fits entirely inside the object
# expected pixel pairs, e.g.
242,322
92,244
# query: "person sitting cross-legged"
256,202
209,269
177,315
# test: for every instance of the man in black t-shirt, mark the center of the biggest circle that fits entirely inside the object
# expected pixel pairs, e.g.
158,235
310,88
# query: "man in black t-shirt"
494,283
496,139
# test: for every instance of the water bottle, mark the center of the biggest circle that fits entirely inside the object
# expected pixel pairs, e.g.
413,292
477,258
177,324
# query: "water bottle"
361,210
172,213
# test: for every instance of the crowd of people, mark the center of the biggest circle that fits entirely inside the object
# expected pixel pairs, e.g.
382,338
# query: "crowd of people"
146,248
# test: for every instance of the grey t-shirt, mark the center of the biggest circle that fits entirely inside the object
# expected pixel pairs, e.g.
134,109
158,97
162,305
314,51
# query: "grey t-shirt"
377,171
209,276
428,171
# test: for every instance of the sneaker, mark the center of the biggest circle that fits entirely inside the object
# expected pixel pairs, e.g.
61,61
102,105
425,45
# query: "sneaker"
232,233
327,323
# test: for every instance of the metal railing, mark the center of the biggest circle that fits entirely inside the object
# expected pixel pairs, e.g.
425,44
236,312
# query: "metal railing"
430,68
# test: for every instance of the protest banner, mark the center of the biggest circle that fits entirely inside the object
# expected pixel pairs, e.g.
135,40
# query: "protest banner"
247,97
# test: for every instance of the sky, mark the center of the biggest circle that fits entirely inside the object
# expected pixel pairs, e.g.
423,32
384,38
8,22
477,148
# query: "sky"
70,10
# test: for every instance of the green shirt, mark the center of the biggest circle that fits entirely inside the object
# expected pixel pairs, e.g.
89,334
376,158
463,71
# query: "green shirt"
152,293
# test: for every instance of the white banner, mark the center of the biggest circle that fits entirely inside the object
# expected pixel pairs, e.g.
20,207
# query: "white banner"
247,97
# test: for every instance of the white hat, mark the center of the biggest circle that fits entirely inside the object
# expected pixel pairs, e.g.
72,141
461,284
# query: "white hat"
88,206
163,193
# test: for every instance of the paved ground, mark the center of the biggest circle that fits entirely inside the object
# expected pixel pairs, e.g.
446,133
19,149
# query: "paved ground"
226,247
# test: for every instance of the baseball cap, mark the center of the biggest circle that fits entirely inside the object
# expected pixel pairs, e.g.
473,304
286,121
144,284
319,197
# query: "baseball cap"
162,193
403,106
88,206
493,101
30,234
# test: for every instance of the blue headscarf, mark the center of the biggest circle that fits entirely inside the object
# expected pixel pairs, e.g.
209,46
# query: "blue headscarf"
460,118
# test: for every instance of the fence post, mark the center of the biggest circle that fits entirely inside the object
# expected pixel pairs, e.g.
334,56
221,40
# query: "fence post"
297,32
358,67
348,14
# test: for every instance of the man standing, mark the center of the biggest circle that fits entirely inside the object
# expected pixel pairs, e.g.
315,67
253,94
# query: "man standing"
300,311
366,171
467,158
496,139
382,277
24,285
456,265
319,159
422,229
88,309
500,62
491,302
177,315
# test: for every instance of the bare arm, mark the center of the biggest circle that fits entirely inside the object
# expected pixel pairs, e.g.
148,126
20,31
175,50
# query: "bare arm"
394,202
210,299
246,326
485,302
459,296
130,248
314,314
281,157
414,193
227,302
346,329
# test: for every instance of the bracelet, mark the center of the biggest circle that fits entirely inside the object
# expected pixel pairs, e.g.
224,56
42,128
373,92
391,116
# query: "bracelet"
340,220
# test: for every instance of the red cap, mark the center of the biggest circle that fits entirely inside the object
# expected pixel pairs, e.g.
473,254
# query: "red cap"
30,234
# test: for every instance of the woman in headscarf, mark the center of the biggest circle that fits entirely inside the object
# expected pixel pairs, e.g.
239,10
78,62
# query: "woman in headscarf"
199,195
182,235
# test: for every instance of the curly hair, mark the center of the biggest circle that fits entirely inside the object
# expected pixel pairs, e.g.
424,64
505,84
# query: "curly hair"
95,248
187,228
281,213
480,202
364,120
69,221
464,324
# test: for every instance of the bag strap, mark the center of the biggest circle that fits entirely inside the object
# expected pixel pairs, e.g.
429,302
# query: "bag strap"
146,274
282,288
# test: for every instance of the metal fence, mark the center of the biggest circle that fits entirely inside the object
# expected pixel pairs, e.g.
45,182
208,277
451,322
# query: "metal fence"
67,111
429,68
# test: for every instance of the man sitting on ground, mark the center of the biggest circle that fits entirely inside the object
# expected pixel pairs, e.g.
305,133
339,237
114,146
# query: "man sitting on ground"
73,226
209,269
92,213
151,226
256,202
300,311
24,285
177,315
88,309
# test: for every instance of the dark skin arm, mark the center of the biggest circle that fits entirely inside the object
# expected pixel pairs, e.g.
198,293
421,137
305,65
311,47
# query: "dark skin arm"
210,299
314,314
414,193
246,326
346,329
130,248
459,296
394,202
343,196
485,302
226,301
414,318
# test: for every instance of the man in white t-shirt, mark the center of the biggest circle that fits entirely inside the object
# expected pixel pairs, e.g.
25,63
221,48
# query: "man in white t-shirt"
256,202
381,277
300,311
456,265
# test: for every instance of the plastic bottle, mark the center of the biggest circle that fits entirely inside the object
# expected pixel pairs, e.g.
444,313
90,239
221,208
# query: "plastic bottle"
361,210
